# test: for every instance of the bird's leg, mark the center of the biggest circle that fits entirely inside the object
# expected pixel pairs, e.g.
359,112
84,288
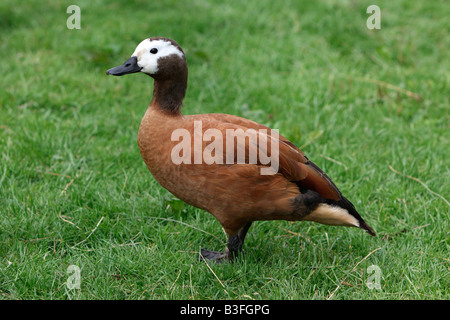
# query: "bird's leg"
234,247
235,242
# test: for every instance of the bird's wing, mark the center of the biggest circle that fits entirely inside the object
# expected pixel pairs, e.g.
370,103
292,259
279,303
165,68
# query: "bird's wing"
292,163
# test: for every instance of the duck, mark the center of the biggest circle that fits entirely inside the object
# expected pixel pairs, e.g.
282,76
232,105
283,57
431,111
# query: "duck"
208,160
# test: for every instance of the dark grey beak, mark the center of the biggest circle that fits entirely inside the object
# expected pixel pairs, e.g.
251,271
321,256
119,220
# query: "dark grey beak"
129,66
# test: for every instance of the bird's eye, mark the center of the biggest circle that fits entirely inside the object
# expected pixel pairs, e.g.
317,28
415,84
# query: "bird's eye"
154,50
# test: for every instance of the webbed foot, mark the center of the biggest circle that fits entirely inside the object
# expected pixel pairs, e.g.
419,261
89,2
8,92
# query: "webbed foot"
214,256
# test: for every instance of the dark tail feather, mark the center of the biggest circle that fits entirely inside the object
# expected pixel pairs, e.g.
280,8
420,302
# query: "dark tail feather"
346,204
331,194
363,225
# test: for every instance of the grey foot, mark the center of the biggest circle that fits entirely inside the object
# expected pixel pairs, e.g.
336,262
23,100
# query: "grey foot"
217,257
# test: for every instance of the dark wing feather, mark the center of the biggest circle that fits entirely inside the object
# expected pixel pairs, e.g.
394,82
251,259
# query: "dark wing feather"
294,165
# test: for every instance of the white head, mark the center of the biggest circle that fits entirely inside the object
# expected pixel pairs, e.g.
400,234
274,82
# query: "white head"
148,57
149,51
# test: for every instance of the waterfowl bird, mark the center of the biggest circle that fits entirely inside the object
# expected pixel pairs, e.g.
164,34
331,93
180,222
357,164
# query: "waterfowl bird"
234,190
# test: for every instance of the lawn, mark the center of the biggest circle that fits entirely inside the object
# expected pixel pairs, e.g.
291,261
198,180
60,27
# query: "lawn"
370,107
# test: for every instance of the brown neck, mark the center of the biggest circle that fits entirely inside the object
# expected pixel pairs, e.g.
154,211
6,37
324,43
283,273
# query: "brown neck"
168,93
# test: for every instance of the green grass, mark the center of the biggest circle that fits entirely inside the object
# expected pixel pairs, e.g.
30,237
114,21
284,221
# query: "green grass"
75,191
